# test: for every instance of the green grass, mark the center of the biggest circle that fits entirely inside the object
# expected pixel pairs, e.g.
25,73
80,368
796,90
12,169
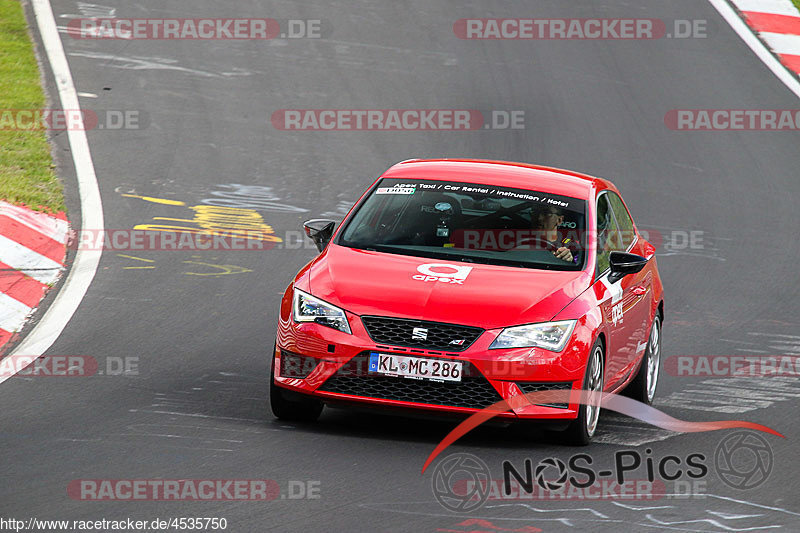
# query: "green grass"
796,4
27,173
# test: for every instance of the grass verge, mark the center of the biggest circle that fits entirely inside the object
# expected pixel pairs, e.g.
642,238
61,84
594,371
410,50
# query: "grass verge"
27,173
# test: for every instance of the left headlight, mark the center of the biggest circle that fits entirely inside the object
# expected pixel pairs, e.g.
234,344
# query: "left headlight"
307,308
551,336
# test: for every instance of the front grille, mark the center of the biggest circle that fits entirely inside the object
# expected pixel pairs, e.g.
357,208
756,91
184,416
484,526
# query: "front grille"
527,386
473,391
401,332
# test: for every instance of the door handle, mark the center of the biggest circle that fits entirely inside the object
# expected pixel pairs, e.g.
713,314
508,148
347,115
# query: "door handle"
638,290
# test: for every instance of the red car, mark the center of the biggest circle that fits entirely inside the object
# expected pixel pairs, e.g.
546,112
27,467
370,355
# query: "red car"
454,284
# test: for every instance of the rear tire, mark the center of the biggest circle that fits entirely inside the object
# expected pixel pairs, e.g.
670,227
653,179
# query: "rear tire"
582,429
643,386
291,406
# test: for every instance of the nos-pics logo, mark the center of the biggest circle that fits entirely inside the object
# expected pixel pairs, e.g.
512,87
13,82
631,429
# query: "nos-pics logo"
442,272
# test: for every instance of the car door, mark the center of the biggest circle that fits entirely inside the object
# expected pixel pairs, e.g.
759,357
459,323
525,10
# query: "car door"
614,297
625,311
637,290
608,294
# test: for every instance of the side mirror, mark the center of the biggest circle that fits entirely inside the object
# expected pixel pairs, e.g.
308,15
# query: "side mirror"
320,231
623,264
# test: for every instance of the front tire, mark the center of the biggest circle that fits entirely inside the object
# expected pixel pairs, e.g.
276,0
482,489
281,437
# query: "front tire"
291,406
582,429
643,386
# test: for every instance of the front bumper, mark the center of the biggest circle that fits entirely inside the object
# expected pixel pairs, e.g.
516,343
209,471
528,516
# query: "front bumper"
331,365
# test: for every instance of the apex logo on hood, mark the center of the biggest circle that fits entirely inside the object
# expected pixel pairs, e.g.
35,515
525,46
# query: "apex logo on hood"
454,274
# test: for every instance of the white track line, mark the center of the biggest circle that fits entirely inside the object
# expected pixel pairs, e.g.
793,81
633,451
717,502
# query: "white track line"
739,26
84,267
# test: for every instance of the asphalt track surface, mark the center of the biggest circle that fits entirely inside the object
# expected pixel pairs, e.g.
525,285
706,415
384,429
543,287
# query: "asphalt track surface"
198,406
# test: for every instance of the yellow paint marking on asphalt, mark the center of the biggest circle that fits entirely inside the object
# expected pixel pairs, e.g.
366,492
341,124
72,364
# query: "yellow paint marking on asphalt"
213,220
136,258
224,269
234,222
164,201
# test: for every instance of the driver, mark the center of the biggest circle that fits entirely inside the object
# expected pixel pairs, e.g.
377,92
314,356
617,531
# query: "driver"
545,223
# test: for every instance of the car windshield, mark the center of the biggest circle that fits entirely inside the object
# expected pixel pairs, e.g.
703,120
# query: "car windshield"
470,222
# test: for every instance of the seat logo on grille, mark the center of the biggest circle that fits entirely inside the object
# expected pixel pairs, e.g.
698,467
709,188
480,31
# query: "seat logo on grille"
419,334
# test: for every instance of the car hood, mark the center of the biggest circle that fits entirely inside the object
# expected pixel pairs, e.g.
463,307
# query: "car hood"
490,296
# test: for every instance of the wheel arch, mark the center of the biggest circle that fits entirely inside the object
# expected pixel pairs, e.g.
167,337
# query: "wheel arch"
602,338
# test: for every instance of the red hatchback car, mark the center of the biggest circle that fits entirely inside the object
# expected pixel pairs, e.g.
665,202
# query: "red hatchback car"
454,284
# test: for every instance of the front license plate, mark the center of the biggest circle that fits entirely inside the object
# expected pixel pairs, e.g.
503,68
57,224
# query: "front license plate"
415,367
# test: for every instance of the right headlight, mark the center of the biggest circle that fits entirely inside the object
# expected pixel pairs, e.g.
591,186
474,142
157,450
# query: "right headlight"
551,336
307,308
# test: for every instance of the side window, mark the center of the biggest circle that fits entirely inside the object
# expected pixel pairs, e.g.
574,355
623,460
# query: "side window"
623,220
608,238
